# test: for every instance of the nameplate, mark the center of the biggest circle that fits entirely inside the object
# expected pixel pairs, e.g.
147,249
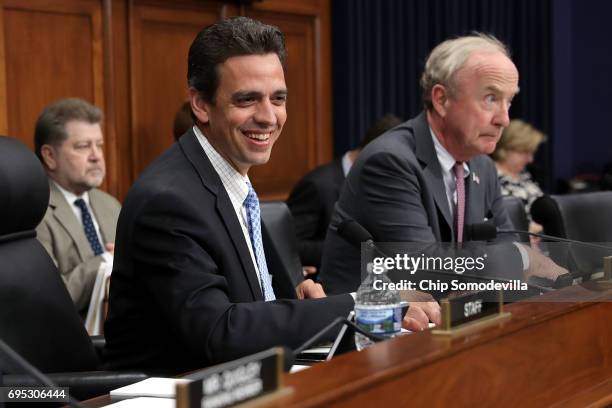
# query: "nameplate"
474,309
258,376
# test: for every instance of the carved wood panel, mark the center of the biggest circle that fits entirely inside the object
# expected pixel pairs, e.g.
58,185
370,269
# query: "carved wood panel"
129,58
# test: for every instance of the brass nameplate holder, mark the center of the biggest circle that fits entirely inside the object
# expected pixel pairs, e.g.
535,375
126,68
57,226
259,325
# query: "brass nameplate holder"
247,382
465,313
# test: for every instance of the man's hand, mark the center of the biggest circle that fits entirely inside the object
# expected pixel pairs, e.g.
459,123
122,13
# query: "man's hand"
542,266
420,314
422,309
535,228
309,290
309,270
110,247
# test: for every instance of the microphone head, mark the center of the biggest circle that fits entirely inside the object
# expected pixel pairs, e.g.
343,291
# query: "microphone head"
480,232
354,232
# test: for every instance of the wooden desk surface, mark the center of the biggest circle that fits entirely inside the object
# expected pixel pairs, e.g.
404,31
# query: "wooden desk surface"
551,352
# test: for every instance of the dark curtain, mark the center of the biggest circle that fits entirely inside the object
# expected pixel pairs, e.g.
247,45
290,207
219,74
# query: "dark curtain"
380,46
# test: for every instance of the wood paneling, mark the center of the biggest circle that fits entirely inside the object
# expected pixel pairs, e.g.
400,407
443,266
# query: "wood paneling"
129,57
294,152
160,40
119,145
306,140
52,50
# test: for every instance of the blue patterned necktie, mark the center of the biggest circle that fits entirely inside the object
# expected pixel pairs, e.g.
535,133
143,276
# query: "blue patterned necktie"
88,226
251,203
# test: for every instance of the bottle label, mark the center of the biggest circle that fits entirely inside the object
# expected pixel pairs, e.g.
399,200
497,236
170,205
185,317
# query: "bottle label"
385,321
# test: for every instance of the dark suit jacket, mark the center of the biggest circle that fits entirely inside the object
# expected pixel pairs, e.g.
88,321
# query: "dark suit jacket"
312,204
184,292
396,191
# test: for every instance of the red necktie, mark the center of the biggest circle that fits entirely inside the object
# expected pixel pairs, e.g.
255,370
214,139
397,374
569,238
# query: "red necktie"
460,207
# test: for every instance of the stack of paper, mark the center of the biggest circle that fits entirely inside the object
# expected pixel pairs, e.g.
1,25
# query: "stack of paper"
95,314
144,402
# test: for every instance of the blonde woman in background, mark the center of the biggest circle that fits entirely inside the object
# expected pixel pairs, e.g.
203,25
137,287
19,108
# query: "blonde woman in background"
515,150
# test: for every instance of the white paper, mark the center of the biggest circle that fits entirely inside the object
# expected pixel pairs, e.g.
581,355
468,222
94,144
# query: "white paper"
317,350
144,402
297,368
151,387
95,314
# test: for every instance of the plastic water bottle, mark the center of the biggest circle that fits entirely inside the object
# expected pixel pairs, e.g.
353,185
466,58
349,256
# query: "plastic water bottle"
376,311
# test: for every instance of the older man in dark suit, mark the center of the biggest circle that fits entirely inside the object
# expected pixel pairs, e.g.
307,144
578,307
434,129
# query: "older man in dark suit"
428,178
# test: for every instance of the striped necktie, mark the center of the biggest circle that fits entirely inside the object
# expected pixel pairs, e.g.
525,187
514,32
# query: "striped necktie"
460,207
251,203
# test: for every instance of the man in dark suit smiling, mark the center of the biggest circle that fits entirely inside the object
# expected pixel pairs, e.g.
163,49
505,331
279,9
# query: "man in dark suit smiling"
190,275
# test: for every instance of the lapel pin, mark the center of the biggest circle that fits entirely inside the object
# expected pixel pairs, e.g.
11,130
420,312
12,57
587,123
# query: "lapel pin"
475,178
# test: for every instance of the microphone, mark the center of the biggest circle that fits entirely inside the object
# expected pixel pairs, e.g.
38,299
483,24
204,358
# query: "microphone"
356,234
290,356
338,322
18,361
480,232
487,232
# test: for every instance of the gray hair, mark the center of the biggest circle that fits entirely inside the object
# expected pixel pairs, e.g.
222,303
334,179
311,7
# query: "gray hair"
449,57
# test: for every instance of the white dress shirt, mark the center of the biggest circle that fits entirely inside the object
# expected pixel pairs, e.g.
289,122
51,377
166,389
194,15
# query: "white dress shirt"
447,162
347,163
236,186
71,198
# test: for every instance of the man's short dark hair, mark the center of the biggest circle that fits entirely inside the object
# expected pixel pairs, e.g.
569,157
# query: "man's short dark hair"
379,127
51,124
228,38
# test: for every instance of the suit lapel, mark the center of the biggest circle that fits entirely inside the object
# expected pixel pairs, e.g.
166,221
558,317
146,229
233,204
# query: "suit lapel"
210,179
338,178
339,173
104,217
66,218
426,153
474,205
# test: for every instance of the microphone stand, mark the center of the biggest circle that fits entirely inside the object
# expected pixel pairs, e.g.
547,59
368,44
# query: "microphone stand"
13,357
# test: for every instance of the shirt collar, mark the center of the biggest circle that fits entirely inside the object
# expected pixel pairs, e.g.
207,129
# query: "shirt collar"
447,161
234,182
70,196
346,163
